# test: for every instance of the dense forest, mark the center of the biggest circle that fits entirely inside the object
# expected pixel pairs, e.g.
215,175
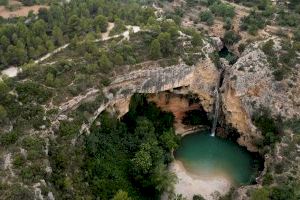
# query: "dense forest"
127,158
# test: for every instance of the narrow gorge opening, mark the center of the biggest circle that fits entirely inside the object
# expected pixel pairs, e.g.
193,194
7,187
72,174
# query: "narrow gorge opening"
228,55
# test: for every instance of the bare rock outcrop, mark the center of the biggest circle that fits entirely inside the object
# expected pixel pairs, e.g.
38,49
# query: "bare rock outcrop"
250,85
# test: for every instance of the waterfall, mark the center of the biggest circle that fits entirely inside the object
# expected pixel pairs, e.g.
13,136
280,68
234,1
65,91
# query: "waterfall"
216,113
217,104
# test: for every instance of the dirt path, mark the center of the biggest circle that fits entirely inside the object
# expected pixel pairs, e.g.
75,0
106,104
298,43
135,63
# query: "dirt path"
22,12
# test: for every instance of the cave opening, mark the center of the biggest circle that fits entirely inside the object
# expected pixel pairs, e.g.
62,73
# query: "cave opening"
228,55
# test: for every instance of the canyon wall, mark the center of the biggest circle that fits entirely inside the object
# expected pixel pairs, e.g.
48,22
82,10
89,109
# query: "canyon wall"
248,85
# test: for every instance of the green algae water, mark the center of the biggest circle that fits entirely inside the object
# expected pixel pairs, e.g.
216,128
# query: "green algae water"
210,156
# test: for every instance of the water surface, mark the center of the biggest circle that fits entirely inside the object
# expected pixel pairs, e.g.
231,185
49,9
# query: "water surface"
210,156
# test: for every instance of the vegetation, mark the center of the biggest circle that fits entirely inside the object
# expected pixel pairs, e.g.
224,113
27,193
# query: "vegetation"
131,155
207,16
268,127
253,22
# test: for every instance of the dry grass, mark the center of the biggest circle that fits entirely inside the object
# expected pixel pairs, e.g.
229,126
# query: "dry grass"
21,11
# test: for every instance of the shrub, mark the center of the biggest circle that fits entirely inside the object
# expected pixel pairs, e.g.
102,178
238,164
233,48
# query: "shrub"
9,138
230,37
267,179
207,17
267,48
268,126
260,194
253,22
222,9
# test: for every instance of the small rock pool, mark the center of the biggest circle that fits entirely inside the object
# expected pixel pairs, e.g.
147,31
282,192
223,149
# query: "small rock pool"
208,156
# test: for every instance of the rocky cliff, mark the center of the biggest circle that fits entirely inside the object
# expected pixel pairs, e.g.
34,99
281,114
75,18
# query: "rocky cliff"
249,85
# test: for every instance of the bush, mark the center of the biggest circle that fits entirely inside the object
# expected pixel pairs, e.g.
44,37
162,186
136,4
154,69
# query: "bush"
253,22
9,138
268,126
222,9
268,179
267,48
260,194
230,37
198,197
207,17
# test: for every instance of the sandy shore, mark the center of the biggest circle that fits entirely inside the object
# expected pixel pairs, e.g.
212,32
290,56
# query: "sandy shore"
189,184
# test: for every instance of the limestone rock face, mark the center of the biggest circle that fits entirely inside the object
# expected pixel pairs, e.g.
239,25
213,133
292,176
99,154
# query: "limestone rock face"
249,85
199,79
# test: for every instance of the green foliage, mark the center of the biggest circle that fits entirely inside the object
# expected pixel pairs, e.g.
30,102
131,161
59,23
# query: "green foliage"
9,138
260,194
67,128
267,48
21,42
32,92
297,34
131,155
253,22
282,192
288,18
165,41
3,2
268,179
268,126
222,9
17,192
155,52
3,113
198,197
101,23
121,195
196,39
228,23
230,37
207,16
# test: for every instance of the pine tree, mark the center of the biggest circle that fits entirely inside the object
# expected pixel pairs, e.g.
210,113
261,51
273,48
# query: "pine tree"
155,52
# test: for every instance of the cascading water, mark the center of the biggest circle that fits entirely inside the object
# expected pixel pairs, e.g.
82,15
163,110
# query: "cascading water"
217,105
216,113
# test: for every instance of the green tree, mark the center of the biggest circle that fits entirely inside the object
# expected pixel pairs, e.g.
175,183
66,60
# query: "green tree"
58,36
118,59
101,23
165,43
74,24
50,79
163,179
155,52
4,89
169,139
121,195
105,63
3,113
4,42
142,161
